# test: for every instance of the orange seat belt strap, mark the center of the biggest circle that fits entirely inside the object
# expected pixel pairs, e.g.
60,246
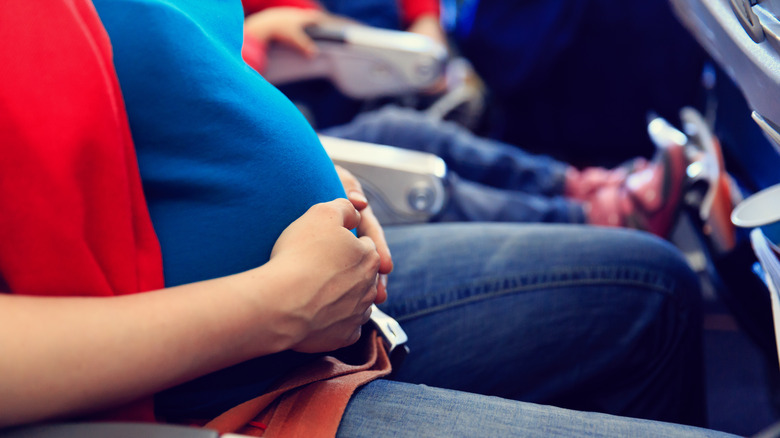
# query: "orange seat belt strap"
311,401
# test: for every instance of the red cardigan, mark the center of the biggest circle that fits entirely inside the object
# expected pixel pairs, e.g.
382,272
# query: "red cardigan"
74,218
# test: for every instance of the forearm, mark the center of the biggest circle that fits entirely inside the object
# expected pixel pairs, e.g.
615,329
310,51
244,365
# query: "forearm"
66,356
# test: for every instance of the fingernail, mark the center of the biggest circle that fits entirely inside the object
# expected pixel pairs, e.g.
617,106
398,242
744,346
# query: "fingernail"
357,196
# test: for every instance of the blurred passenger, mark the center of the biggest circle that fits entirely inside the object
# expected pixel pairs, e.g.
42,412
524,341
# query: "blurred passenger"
606,320
329,107
575,79
489,180
418,16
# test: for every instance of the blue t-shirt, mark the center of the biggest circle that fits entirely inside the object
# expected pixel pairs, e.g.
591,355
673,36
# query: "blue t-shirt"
226,160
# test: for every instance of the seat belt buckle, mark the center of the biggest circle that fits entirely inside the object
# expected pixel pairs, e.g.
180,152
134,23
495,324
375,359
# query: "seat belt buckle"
393,337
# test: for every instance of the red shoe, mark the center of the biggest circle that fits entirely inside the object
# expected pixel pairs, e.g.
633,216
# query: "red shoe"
649,198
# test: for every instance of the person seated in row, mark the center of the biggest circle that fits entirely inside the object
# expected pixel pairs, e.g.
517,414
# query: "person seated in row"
327,105
490,180
256,270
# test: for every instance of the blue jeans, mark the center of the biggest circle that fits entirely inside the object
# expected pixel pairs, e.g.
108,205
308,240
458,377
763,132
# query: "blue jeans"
489,181
591,319
392,409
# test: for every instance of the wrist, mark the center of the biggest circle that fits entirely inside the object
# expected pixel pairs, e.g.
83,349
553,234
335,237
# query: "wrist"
273,311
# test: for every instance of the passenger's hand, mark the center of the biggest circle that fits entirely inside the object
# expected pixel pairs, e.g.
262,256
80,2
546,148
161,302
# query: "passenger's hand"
369,226
285,25
335,276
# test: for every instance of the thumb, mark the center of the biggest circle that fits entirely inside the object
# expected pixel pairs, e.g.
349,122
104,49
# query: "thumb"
348,216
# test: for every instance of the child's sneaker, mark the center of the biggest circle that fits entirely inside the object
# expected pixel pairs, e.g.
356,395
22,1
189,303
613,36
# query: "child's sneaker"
648,199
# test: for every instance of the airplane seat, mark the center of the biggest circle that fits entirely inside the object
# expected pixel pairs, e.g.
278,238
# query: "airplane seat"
361,61
743,38
402,186
371,64
370,67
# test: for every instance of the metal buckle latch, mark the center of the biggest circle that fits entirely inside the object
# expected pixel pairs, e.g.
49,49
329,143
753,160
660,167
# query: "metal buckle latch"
392,335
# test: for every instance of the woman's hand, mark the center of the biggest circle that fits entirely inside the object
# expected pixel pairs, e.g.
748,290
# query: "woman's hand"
369,226
333,276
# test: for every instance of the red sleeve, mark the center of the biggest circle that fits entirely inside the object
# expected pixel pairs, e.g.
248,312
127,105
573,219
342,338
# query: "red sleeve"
251,6
411,10
74,217
254,52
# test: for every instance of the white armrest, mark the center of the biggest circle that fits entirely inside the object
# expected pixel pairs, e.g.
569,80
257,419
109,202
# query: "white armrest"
402,186
362,62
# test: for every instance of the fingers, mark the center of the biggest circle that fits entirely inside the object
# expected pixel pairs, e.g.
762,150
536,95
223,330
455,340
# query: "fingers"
343,332
358,199
381,277
369,224
352,187
341,211
313,16
300,40
371,248
381,289
367,314
356,332
286,25
378,293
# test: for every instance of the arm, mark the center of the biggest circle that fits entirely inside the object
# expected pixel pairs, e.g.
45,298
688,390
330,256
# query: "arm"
422,17
67,356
